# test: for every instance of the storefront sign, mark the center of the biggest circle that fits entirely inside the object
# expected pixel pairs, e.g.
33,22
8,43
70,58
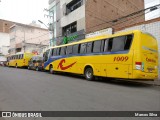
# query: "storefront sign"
74,37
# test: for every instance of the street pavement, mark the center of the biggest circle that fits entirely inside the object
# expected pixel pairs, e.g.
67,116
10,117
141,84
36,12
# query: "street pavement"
28,90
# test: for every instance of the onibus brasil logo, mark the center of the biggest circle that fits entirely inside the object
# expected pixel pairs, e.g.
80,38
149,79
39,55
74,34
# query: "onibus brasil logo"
62,67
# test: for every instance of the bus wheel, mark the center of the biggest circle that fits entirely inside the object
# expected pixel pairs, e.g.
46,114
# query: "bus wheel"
51,69
89,73
16,65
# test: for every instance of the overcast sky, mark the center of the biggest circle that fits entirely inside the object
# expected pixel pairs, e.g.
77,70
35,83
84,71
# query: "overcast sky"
25,11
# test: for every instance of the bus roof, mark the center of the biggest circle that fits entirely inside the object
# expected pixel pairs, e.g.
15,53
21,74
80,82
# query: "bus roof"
98,38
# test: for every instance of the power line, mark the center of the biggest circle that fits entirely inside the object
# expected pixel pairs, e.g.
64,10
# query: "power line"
130,15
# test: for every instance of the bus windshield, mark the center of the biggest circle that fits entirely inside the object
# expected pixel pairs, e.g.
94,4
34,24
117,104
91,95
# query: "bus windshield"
46,55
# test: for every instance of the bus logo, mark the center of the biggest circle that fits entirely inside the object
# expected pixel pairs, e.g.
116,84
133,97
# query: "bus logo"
64,67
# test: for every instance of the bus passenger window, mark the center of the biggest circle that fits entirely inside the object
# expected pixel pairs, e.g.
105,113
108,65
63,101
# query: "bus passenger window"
76,49
128,42
89,47
55,52
118,43
97,46
63,51
52,51
22,56
106,45
102,45
110,43
83,48
69,49
58,51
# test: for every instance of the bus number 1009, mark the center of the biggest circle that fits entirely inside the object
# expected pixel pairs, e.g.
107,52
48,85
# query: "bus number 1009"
121,58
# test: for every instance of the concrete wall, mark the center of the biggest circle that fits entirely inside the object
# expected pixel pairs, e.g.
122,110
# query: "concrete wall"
21,34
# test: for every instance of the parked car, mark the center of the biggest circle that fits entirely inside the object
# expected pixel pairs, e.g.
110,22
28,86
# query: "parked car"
36,63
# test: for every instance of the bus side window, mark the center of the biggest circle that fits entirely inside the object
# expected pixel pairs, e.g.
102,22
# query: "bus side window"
83,48
118,43
89,47
52,51
58,51
110,44
97,46
128,42
55,52
69,49
102,45
106,42
22,56
63,51
76,49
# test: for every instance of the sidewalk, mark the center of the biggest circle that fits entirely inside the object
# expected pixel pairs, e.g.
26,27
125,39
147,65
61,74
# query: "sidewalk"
155,82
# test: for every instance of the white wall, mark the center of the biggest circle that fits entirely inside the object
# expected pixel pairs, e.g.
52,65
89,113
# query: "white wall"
77,14
5,50
2,58
4,39
155,13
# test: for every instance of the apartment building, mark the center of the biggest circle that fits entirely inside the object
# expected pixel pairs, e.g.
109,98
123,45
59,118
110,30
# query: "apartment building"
4,36
26,38
72,19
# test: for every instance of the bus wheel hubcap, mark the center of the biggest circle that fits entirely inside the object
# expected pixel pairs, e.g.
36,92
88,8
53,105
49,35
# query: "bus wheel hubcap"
89,74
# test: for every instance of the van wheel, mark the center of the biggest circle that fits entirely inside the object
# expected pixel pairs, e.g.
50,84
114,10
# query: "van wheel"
37,68
89,73
51,69
28,68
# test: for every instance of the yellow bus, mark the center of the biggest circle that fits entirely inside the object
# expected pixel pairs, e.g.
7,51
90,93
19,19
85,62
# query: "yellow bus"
19,59
127,55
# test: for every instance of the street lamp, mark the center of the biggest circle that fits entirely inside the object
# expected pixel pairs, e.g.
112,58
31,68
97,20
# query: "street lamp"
43,24
47,29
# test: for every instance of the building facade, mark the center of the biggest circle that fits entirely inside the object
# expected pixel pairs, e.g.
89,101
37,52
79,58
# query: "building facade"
72,19
4,36
26,38
5,26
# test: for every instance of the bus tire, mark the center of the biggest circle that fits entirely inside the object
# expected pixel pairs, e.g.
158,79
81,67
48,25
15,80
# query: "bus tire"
88,73
16,65
51,69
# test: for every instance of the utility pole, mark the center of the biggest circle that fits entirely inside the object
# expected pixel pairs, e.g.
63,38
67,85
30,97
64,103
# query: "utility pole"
24,39
51,17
